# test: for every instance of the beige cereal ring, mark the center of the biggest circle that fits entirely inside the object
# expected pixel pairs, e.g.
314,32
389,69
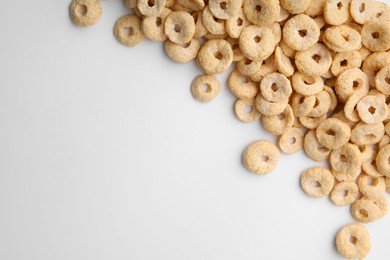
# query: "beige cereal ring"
283,63
383,160
205,88
336,12
261,157
372,109
333,133
307,85
342,38
236,23
361,10
130,3
295,6
266,68
200,30
269,108
182,53
194,5
245,110
344,61
85,12
291,141
349,82
150,7
371,187
224,9
215,56
341,115
315,8
127,30
344,193
346,162
353,241
317,182
380,11
384,141
283,15
313,148
262,12
276,30
277,124
256,43
369,166
153,26
314,61
376,35
302,105
237,53
248,67
387,179
367,134
350,110
287,50
333,98
382,204
382,80
180,27
321,105
241,86
366,152
374,63
312,122
213,24
365,210
275,87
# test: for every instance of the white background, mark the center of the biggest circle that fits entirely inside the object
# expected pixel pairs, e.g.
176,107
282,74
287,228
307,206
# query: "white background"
104,154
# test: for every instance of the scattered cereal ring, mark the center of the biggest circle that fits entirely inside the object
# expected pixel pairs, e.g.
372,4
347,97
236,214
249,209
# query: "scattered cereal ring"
127,30
371,187
291,141
333,98
246,111
382,80
237,53
344,61
267,67
346,162
361,10
215,56
367,134
151,7
365,210
333,133
200,30
344,193
349,82
85,12
283,63
315,8
382,160
262,12
311,122
372,109
353,241
342,38
336,12
153,26
224,9
317,182
382,204
380,11
313,148
256,42
376,35
182,53
374,63
241,86
237,23
314,61
277,124
214,25
369,166
321,105
275,87
307,85
269,108
295,6
287,50
248,67
302,105
180,27
261,157
194,5
205,88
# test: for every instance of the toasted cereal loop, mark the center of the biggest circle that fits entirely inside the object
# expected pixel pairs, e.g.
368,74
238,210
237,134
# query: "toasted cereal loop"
382,80
215,56
180,27
130,3
382,160
224,9
241,86
344,193
269,108
295,6
127,30
344,61
313,148
261,157
283,63
275,87
262,12
366,152
85,12
333,98
291,141
374,63
346,162
365,210
336,12
341,115
200,30
182,53
376,35
349,82
307,85
367,134
266,68
371,187
350,110
276,30
277,124
369,166
194,5
248,67
382,204
342,38
311,122
380,12
314,61
384,141
372,109
317,182
301,32
333,133
287,50
205,88
321,105
214,25
237,53
256,42
302,105
315,8
151,7
353,241
246,111
361,10
153,26
236,23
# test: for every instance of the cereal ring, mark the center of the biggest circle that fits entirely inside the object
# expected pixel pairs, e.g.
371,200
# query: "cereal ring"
194,5
341,115
382,204
317,182
182,53
314,61
366,152
256,43
350,110
262,12
371,187
313,148
382,160
342,38
333,133
344,193
283,15
283,63
169,3
276,30
349,82
237,54
301,32
372,109
374,63
277,124
333,98
367,134
312,122
153,26
275,87
346,162
85,12
291,141
336,12
287,50
269,108
127,30
369,166
215,56
384,141
302,105
261,157
387,180
151,7
241,86
130,3
380,11
364,53
315,8
295,6
376,35
246,111
210,36
180,27
353,241
224,9
200,30
344,61
213,24
237,23
382,80
365,211
266,68
307,85
361,10
321,105
205,88
248,67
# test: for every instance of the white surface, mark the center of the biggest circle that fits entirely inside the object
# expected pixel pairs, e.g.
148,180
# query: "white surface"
105,155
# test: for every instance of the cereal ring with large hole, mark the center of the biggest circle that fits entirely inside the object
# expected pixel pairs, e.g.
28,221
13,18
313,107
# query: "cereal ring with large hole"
261,157
248,67
85,12
361,10
345,60
275,87
365,210
314,61
333,133
291,141
301,32
262,12
317,182
215,56
382,80
224,9
346,162
213,24
336,12
322,104
200,30
245,110
349,82
344,193
295,6
194,5
372,109
241,86
307,85
371,187
277,124
151,7
236,23
342,38
127,30
182,53
180,27
205,88
353,241
302,105
269,108
312,122
153,26
376,35
367,134
350,110
283,63
383,159
374,63
256,42
313,148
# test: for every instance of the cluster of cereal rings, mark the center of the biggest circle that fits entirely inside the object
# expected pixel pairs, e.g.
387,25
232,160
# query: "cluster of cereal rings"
315,72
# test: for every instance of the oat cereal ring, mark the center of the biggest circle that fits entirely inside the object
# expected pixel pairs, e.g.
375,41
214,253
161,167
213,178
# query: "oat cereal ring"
182,53
276,30
382,204
283,15
365,210
248,67
224,9
317,182
333,98
194,5
200,30
321,105
151,7
205,88
344,193
369,166
287,50
241,86
346,162
385,140
153,26
387,128
387,180
269,108
169,3
383,159
333,133
130,3
371,187
85,12
366,152
312,122
237,54
367,134
344,61
291,141
266,68
315,8
372,109
364,53
283,63
336,12
256,43
215,56
295,6
210,36
313,148
376,35
315,61
361,10
382,80
349,82
246,111
237,23
307,85
302,105
275,87
262,12
342,38
127,30
350,110
213,25
277,124
341,115
353,241
261,157
180,27
301,32
374,63
380,11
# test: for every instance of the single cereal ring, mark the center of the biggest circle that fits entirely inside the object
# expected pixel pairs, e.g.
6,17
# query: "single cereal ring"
333,133
169,3
130,3
200,30
307,85
387,128
276,30
382,80
277,124
333,98
313,148
321,105
85,12
342,38
283,63
364,52
256,42
213,24
266,68
287,50
127,30
350,110
269,108
344,193
312,122
384,141
180,27
237,53
314,61
341,115
371,187
346,162
236,23
151,7
366,152
182,53
367,134
295,6
262,12
291,141
353,241
205,88
224,9
215,56
349,82
365,211
194,5
361,10
374,63
376,35
241,86
382,204
261,157
336,12
369,166
153,26
315,8
380,11
301,32
275,87
372,109
317,182
382,160
248,67
245,110
302,105
344,61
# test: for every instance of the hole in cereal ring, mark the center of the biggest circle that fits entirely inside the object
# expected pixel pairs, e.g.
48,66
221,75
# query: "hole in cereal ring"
373,163
264,158
375,35
363,212
362,7
343,193
218,55
343,63
281,116
316,184
239,22
235,46
316,57
340,5
372,181
322,148
309,80
317,103
370,137
274,87
158,21
346,37
343,158
378,15
302,99
248,109
330,132
292,140
353,240
248,62
244,79
372,110
355,84
206,88
177,28
81,9
387,80
223,5
151,3
257,39
302,33
258,8
128,31
185,45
